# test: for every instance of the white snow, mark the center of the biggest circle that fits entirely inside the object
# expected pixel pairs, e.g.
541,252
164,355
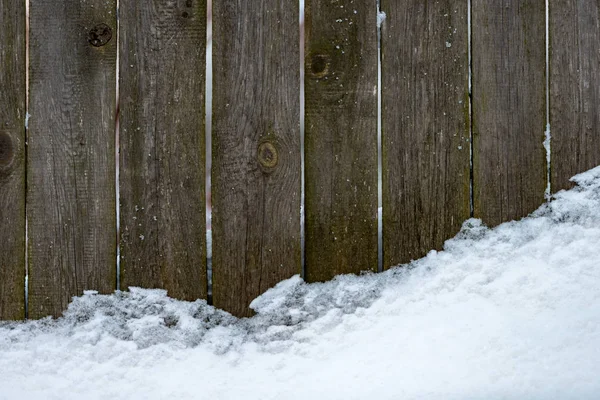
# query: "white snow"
507,313
380,18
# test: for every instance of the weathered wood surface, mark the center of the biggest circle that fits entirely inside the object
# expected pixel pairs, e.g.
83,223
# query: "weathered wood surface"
12,159
425,126
71,152
340,138
162,146
509,108
256,149
574,88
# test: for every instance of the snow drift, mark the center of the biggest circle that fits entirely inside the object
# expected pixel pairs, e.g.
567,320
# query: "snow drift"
510,312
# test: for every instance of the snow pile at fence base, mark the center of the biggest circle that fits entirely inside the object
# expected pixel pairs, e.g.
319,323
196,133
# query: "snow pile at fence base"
512,312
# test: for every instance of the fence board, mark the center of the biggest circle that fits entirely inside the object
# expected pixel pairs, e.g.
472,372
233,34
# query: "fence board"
425,126
71,159
12,157
509,108
162,154
256,147
340,138
574,88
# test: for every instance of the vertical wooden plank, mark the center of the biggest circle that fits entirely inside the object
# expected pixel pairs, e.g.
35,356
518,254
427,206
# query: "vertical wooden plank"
162,188
425,126
509,108
574,88
71,159
341,138
256,149
12,159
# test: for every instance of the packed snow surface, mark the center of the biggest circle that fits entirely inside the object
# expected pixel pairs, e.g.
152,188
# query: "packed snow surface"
507,313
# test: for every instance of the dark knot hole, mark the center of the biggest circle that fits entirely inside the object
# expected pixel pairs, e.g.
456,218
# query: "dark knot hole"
319,65
100,35
7,149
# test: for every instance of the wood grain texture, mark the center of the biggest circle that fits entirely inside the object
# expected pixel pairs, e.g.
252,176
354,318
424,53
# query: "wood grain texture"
162,153
256,149
340,138
12,160
425,126
509,108
71,156
574,88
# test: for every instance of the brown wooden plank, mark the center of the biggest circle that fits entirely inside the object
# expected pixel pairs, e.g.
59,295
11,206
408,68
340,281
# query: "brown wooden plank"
12,160
574,88
162,182
425,126
256,149
509,108
71,156
340,138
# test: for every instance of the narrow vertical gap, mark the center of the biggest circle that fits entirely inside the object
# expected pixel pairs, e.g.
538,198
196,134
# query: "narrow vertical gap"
208,150
380,19
547,133
26,283
26,268
117,152
302,166
471,141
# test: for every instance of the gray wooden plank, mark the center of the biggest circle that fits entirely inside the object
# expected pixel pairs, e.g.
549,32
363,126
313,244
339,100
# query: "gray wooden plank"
162,146
256,149
509,108
71,152
12,160
340,138
574,88
425,126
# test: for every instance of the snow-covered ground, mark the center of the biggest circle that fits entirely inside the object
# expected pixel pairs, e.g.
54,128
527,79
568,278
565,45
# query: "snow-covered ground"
508,313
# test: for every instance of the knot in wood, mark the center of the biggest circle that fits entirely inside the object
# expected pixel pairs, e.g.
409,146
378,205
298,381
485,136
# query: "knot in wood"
188,4
267,155
319,65
7,150
99,35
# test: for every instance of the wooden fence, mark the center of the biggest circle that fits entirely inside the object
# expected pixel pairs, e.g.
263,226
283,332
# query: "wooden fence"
448,152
